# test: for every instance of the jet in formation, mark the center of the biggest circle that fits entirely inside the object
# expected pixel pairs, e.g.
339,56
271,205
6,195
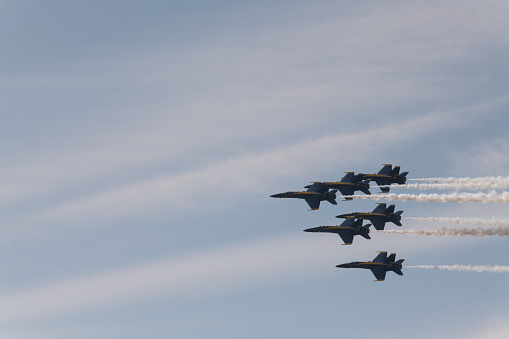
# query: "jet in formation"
347,230
378,217
316,192
348,184
379,266
319,191
386,176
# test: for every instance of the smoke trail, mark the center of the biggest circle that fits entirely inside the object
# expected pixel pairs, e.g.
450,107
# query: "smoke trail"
487,198
458,186
473,221
476,232
478,269
481,180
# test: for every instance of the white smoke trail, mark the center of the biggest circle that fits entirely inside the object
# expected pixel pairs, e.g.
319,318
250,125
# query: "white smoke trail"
487,198
476,232
480,180
472,221
458,186
478,269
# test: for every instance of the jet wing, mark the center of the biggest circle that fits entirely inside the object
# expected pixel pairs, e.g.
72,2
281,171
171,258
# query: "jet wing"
379,273
347,236
386,170
349,222
384,185
313,203
378,222
349,177
380,209
317,187
381,257
346,190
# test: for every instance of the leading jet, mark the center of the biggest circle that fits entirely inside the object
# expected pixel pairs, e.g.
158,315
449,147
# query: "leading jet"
347,230
378,217
386,176
348,184
379,266
316,192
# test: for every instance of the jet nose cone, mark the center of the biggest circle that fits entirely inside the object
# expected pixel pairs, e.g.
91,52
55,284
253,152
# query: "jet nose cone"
309,229
341,266
278,195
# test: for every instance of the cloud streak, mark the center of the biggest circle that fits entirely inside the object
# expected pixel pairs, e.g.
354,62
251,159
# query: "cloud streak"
226,180
208,272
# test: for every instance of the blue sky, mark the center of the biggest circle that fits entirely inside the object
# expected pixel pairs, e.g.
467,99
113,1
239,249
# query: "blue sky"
141,141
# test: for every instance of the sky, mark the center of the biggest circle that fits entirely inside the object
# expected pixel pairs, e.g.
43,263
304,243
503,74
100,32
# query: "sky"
140,142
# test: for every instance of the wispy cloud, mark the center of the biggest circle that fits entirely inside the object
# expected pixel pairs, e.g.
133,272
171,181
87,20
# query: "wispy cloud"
482,157
187,276
254,173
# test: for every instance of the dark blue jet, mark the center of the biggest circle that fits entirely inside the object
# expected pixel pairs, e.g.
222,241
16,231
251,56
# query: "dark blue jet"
378,217
379,266
347,230
315,193
385,177
348,184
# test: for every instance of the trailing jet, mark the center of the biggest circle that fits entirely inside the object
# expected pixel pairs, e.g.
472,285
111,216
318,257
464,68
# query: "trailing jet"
348,184
347,230
378,217
315,193
379,266
386,176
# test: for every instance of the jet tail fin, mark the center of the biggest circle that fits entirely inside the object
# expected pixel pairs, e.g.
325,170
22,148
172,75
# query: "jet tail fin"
385,189
397,218
364,187
395,171
366,234
398,270
389,209
358,223
332,197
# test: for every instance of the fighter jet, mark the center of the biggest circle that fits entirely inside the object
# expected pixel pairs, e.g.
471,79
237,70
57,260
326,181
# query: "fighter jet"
348,184
347,230
379,266
386,176
315,193
379,216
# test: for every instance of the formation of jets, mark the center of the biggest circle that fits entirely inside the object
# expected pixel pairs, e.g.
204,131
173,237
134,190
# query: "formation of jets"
353,224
